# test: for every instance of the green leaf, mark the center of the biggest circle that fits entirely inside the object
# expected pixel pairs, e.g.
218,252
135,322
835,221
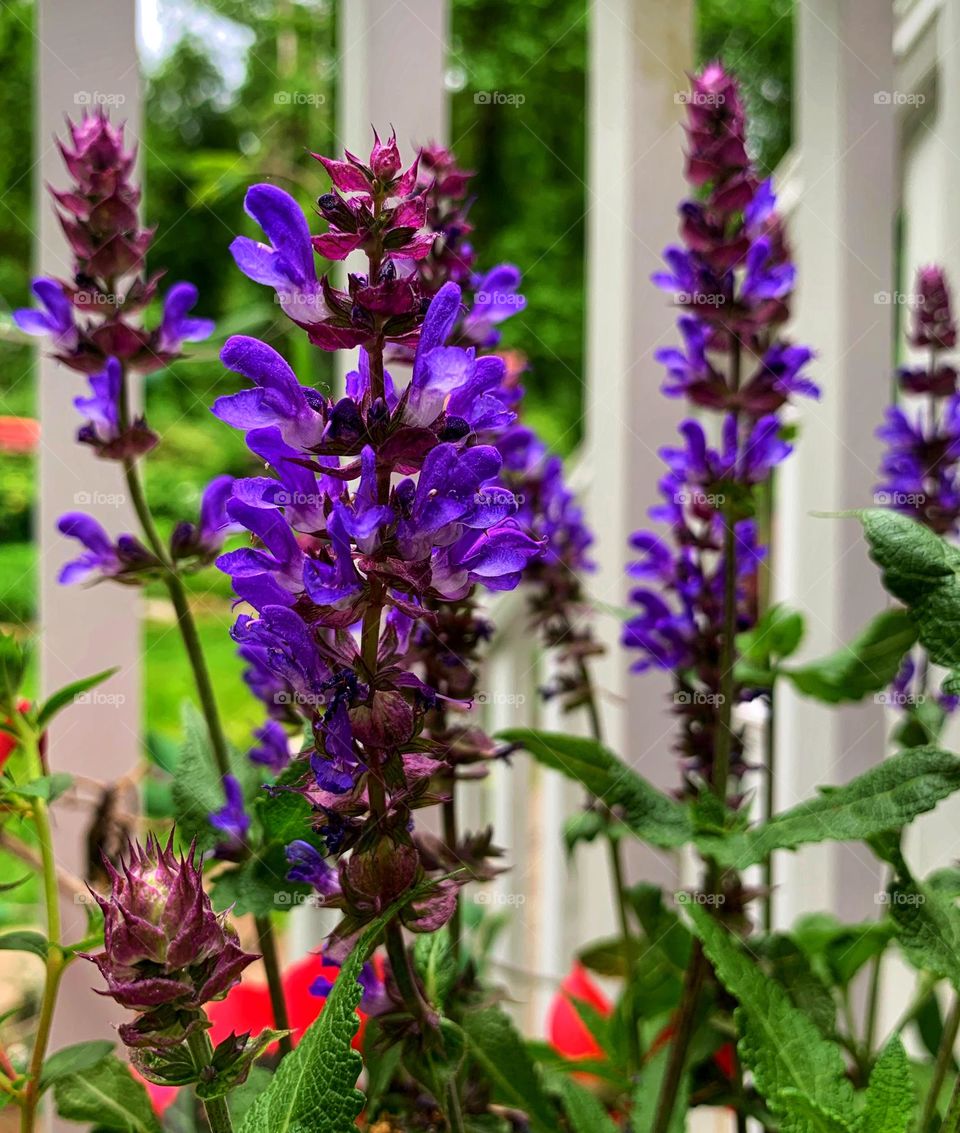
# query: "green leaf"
777,635
927,926
315,1087
197,784
24,941
436,965
73,1060
584,1111
922,571
806,988
890,1095
496,1044
887,797
48,787
647,1095
869,663
779,1043
70,693
652,816
108,1095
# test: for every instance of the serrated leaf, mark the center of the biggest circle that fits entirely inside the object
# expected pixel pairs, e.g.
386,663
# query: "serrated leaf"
890,1097
69,693
108,1095
23,940
927,927
887,797
922,571
779,1042
497,1045
315,1087
584,1111
807,990
652,815
436,965
197,785
806,1116
73,1059
869,663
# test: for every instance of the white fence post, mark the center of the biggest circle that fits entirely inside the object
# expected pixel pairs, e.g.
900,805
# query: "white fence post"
640,51
843,235
81,55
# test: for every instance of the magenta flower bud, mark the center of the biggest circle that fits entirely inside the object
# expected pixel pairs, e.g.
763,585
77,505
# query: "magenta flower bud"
166,952
933,322
385,157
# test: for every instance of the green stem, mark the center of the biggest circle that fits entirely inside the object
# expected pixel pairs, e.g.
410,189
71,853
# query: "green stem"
770,729
449,809
951,1123
56,962
615,854
454,1113
944,1058
218,1115
278,1002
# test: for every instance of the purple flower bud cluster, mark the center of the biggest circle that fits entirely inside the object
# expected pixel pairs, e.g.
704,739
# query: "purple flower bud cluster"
921,465
378,505
166,952
732,278
94,323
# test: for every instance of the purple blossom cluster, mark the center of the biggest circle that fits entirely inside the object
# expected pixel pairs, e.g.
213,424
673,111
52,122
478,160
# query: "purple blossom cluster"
921,465
732,279
94,322
379,505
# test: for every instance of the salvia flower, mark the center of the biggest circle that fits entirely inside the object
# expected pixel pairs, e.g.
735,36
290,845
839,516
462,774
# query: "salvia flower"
166,952
732,278
375,508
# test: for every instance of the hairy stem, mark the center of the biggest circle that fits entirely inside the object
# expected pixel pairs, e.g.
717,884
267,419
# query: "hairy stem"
941,1065
56,961
271,965
951,1123
770,730
218,1116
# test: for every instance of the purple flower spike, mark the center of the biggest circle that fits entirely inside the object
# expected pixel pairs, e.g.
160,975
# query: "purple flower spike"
206,540
309,866
272,748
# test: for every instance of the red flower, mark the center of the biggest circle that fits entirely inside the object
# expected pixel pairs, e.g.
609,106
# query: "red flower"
19,434
7,742
566,1031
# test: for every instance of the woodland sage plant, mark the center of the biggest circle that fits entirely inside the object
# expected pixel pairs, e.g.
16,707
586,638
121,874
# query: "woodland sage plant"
363,552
